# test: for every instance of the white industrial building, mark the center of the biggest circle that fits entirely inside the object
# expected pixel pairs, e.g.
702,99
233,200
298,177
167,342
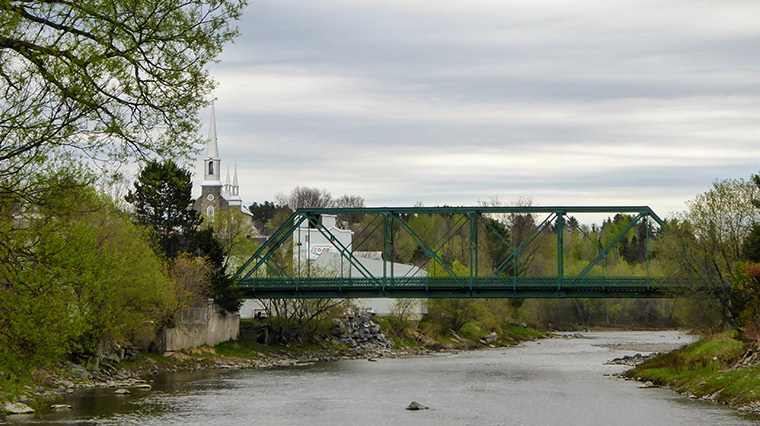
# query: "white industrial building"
320,255
310,243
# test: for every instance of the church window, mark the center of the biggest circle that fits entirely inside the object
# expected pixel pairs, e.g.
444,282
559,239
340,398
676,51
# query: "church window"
211,167
210,211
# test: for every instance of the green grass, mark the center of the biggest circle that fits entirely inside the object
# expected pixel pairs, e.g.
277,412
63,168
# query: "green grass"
520,333
701,369
473,330
403,342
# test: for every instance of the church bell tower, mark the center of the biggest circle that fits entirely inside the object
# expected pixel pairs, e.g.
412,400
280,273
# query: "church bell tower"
211,188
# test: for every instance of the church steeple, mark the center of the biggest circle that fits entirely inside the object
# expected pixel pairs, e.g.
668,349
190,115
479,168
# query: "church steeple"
235,190
215,196
211,165
227,185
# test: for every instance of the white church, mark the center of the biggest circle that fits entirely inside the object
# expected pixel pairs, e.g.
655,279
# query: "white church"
215,196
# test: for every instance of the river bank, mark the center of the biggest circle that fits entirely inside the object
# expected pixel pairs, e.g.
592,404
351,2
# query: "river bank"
562,380
131,374
716,368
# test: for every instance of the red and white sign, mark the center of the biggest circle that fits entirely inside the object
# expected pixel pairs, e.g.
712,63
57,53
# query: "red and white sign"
317,250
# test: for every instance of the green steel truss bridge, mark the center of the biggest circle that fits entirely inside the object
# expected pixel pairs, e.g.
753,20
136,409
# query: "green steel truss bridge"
281,267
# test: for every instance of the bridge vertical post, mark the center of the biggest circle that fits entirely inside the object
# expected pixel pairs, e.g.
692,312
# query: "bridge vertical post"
388,248
646,249
298,247
473,247
560,248
391,239
308,247
385,249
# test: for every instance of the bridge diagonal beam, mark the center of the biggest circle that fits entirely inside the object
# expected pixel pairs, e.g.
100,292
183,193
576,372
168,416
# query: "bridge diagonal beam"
432,254
265,252
361,238
459,222
517,252
596,243
344,251
603,254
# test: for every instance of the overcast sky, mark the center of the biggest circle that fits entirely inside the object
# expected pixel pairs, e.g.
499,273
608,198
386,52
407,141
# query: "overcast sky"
443,102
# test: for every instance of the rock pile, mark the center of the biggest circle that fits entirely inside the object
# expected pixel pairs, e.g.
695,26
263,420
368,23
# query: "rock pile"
750,358
359,332
634,360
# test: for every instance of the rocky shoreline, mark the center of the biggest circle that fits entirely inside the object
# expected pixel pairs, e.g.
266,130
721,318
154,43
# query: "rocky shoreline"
135,376
356,338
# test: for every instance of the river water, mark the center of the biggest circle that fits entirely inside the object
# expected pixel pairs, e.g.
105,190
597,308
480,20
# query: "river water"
550,382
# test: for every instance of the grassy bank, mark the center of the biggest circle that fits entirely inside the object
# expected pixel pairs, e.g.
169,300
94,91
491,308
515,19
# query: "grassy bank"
712,368
472,335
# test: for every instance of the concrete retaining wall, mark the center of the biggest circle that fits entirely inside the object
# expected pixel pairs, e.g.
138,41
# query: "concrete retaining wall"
200,326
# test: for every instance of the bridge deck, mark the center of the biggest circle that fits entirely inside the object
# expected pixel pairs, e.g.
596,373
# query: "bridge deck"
477,287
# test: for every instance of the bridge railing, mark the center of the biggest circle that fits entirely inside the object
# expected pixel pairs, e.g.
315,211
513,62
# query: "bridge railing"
428,287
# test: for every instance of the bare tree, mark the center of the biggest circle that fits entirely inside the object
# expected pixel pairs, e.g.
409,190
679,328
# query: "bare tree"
305,197
298,320
349,201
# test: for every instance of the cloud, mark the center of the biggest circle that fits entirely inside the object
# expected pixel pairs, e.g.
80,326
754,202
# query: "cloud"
446,102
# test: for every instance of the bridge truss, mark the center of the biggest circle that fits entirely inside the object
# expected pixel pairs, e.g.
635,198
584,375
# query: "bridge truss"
278,269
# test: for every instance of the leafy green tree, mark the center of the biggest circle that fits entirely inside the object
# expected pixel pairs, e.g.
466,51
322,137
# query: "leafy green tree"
81,272
706,242
234,232
496,238
111,80
223,289
751,246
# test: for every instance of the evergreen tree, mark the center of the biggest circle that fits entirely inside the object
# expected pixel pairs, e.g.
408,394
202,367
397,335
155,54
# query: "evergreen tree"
751,246
162,197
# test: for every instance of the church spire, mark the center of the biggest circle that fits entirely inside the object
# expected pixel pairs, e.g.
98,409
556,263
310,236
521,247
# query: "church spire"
235,187
212,148
227,186
212,164
234,199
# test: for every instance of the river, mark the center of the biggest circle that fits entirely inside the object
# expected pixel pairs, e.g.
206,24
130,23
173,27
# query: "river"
561,381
